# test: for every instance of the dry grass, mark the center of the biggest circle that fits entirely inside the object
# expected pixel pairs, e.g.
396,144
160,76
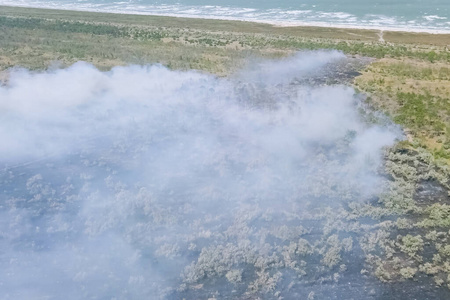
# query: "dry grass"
417,95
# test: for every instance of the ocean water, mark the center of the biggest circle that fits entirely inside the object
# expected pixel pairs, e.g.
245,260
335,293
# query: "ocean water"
406,15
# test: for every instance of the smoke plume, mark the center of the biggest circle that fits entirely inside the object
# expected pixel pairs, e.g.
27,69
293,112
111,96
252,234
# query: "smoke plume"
148,183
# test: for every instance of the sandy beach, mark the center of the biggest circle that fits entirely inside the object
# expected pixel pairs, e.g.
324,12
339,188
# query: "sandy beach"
217,12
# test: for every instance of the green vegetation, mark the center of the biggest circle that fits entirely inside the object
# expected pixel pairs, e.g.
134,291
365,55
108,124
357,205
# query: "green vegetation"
437,215
417,242
416,94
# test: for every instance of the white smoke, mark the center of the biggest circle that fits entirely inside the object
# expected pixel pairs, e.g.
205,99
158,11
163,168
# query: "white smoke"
115,181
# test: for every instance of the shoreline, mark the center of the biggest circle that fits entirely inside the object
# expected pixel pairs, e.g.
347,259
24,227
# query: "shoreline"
383,37
279,24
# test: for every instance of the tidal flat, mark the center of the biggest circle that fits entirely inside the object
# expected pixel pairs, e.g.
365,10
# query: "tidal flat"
177,222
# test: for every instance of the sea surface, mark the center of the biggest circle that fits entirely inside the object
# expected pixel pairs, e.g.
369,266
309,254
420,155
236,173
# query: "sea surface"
406,15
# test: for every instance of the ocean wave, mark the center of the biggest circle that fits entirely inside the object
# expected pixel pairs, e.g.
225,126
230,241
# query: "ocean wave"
434,17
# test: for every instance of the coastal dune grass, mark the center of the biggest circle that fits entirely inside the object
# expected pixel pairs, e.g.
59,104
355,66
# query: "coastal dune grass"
416,94
112,31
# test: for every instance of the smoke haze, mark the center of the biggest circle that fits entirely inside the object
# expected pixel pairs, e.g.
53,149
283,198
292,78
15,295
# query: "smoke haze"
148,183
